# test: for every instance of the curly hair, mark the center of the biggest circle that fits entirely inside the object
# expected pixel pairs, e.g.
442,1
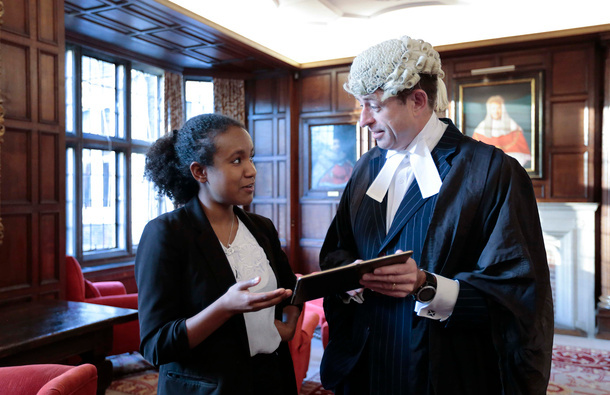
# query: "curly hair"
169,159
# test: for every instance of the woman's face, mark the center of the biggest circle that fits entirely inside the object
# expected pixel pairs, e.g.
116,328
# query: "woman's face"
231,179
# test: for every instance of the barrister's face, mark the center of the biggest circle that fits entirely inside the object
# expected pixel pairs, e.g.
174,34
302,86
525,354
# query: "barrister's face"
391,122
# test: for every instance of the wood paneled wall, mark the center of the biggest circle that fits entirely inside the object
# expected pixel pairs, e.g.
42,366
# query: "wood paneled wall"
33,162
323,101
571,124
571,111
268,107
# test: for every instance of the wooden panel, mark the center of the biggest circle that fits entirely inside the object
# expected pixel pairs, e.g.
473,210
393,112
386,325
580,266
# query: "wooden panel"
316,93
16,88
266,210
16,167
466,66
48,168
528,59
283,95
569,72
162,36
16,252
568,124
345,101
48,111
47,21
281,179
85,4
539,191
141,23
263,96
569,176
49,248
16,17
309,260
316,219
282,140
264,180
282,222
262,136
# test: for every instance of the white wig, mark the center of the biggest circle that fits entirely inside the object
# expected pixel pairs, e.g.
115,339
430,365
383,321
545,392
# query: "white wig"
395,65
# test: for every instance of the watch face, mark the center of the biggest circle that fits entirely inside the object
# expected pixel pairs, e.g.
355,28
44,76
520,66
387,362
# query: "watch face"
426,294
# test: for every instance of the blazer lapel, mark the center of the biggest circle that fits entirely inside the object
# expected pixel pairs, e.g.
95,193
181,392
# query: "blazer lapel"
209,247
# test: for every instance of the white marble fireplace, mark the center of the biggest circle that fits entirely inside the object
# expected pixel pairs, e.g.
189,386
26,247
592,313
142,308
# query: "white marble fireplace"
569,236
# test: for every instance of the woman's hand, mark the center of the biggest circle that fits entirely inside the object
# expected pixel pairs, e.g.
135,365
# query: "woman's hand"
398,280
238,299
287,327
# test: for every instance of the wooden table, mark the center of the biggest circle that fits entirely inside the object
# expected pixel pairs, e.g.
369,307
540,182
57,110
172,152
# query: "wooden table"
51,331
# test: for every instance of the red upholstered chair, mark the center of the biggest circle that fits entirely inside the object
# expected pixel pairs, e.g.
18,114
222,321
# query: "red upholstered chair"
49,379
110,293
300,345
317,306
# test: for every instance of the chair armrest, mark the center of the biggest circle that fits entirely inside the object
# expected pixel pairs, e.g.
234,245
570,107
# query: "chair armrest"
128,301
107,288
310,322
80,380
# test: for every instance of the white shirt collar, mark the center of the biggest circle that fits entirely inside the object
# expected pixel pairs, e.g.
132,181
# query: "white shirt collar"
420,157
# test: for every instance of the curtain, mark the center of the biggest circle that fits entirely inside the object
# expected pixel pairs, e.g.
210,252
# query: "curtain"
1,126
174,101
229,98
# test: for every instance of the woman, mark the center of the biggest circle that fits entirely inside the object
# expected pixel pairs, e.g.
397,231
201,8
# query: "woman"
212,279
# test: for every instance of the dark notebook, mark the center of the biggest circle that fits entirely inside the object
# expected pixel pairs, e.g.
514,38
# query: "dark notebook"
340,279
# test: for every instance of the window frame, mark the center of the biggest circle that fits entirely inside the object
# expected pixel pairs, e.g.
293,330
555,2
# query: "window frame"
197,79
126,146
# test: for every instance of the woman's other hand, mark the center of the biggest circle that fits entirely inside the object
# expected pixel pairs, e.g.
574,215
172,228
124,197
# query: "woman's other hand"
238,299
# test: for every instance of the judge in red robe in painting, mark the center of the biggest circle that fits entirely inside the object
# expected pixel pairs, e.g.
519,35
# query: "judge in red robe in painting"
499,129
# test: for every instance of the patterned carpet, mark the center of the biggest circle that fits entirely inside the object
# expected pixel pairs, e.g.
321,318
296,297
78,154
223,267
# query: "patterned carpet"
576,370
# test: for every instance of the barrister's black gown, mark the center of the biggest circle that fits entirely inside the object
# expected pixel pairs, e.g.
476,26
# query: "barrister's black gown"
483,229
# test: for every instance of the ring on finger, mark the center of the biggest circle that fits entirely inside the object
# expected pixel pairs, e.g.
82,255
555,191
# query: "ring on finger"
393,286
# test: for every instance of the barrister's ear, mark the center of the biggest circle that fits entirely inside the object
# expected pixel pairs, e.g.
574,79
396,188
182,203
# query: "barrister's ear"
199,172
420,99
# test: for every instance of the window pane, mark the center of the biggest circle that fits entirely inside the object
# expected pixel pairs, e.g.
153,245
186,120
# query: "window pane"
99,97
70,91
120,108
145,205
70,204
144,106
99,200
199,97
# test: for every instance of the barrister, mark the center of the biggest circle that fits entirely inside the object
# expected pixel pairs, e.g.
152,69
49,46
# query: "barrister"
471,312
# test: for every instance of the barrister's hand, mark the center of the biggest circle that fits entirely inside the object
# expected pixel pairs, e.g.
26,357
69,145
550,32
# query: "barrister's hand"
398,280
238,299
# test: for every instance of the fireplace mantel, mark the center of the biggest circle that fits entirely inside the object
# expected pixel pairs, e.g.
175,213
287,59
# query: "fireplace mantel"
569,236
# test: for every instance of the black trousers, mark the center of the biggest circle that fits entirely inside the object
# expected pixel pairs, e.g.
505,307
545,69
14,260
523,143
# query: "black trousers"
267,375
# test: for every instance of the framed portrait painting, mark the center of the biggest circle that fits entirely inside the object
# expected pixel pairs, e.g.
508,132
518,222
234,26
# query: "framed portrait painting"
333,147
504,111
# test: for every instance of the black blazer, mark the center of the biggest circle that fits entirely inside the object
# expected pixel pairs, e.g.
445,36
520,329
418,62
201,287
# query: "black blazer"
181,269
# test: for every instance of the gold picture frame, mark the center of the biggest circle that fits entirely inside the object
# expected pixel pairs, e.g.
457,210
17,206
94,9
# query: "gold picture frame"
333,145
506,111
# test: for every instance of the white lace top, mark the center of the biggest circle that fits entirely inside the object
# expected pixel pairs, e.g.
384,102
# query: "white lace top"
248,260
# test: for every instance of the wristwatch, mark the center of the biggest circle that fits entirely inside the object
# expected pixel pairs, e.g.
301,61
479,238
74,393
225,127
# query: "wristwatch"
427,291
